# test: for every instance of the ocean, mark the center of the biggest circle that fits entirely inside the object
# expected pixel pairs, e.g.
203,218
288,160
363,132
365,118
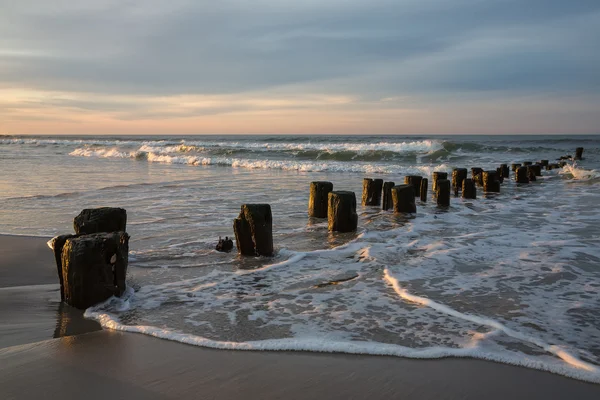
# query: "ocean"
512,277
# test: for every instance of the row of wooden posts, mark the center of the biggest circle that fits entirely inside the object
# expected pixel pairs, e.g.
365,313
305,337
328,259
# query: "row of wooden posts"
92,263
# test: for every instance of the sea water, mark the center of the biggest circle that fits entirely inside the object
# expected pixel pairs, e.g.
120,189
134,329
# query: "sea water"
511,277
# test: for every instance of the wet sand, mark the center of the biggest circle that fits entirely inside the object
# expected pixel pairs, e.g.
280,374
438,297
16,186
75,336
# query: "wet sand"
84,362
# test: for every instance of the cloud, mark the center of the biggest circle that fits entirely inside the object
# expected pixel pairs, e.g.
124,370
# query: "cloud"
115,58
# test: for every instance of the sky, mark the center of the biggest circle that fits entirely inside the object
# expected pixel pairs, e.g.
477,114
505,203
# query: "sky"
290,66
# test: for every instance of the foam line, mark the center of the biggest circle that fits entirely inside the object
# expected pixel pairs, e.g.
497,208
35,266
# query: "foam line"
556,350
318,344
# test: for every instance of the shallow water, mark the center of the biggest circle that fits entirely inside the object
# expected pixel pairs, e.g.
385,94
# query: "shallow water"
513,277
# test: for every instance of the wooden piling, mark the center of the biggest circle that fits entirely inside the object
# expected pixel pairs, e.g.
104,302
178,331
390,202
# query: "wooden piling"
423,191
103,219
387,203
458,176
317,202
537,169
435,176
443,192
491,184
521,175
469,189
94,267
514,167
404,199
254,230
415,182
531,173
579,153
499,175
341,216
527,163
476,175
371,195
505,170
544,163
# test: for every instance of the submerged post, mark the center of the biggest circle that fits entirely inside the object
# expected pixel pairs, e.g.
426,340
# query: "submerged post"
469,189
544,163
579,153
499,175
476,175
371,195
514,167
387,202
423,191
521,175
490,182
537,169
341,216
505,170
404,199
435,176
317,202
415,182
527,163
253,230
443,192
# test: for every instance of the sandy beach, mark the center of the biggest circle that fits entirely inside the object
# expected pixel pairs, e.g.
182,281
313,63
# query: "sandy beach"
48,350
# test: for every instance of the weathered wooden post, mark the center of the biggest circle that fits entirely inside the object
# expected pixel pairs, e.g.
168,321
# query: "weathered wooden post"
342,215
490,182
317,202
514,167
505,170
371,195
469,189
404,199
253,230
521,175
537,169
423,191
531,173
476,175
544,163
435,176
57,247
527,163
579,153
415,182
443,192
458,176
499,175
103,219
388,202
94,267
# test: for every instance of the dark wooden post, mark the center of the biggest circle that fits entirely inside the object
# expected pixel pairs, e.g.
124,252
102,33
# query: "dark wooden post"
505,170
544,163
415,182
57,246
469,189
435,176
94,268
499,175
371,195
579,153
458,176
476,175
527,163
443,191
490,182
514,167
404,199
537,169
521,175
423,191
342,215
531,173
317,202
103,219
387,203
253,230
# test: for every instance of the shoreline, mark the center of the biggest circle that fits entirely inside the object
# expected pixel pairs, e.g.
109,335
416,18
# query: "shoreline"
103,363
